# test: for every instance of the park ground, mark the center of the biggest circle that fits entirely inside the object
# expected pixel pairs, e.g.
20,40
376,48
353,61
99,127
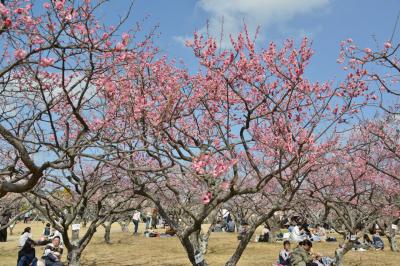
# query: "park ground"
127,249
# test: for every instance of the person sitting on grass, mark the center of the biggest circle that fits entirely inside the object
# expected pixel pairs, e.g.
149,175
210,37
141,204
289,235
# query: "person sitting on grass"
27,256
306,232
365,245
377,241
284,255
301,254
230,227
56,233
265,234
297,234
320,234
290,228
151,233
169,230
47,230
53,252
217,227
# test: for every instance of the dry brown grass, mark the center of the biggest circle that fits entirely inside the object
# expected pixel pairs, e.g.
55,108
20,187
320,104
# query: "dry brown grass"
127,249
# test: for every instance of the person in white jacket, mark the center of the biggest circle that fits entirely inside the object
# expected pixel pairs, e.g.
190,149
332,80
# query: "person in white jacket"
56,233
296,234
24,236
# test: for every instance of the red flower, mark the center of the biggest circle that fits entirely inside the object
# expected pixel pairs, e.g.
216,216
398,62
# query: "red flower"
7,22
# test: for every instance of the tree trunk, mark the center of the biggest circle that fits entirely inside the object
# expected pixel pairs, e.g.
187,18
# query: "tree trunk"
74,257
393,243
107,232
194,246
124,226
201,241
74,253
391,236
234,259
272,234
341,251
84,224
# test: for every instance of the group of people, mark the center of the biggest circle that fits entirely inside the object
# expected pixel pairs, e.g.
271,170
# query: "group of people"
151,220
226,224
221,226
51,239
302,255
376,243
298,234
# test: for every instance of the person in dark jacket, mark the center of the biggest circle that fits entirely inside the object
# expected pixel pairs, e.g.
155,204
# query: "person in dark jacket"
47,230
265,234
27,256
300,256
284,255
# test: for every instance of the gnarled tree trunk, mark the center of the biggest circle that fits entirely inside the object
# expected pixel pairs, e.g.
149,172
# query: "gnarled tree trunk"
74,256
341,251
391,236
195,246
75,251
234,259
107,232
124,226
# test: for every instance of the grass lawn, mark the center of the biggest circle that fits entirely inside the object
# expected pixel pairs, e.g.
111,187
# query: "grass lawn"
127,249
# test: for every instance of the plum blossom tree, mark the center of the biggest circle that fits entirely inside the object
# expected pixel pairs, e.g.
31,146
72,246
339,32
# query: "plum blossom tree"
379,136
352,194
279,195
244,118
381,71
50,111
379,67
13,207
247,122
64,197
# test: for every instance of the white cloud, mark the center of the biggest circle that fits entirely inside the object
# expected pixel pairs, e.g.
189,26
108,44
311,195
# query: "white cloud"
254,13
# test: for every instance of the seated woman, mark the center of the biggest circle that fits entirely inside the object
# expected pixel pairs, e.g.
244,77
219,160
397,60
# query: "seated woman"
53,252
265,234
27,256
306,232
297,234
26,234
365,245
377,242
217,227
319,234
284,255
230,227
169,231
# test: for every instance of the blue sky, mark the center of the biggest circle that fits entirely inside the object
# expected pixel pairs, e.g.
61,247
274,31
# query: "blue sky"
326,22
